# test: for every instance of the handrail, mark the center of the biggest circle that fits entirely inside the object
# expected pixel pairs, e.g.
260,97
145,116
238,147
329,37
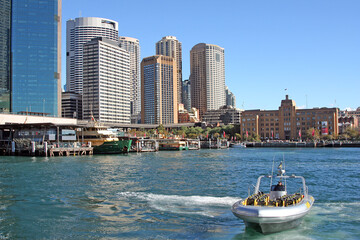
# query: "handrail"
285,177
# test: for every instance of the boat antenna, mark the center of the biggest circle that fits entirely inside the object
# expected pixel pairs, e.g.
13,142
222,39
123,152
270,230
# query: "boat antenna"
272,172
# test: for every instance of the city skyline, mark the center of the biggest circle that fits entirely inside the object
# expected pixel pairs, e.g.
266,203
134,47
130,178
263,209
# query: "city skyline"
310,49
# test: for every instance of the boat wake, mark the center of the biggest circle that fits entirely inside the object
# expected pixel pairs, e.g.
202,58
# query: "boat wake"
197,205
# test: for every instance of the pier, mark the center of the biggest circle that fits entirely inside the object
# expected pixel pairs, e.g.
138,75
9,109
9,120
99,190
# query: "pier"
303,144
67,151
25,147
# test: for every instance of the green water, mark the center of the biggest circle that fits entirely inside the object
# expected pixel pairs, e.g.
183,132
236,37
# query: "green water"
170,195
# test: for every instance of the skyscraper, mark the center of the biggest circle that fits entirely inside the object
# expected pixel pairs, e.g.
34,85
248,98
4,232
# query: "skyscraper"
186,94
78,32
133,47
159,90
71,104
5,53
171,47
207,77
31,32
106,81
230,98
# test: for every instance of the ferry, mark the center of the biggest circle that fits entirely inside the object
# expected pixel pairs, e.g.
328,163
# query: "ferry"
277,210
105,141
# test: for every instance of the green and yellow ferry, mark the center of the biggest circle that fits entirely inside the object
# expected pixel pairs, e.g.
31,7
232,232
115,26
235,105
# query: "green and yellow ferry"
105,141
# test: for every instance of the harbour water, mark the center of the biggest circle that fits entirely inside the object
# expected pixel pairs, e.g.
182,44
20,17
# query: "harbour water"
170,195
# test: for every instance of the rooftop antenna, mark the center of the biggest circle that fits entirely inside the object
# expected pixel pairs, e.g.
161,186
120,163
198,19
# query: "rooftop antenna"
306,101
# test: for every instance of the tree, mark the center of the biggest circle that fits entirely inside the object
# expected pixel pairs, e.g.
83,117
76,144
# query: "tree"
312,133
344,136
238,137
216,135
352,133
254,137
327,137
161,129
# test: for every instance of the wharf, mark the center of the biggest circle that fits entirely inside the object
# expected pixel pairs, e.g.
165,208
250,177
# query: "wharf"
302,144
30,148
68,151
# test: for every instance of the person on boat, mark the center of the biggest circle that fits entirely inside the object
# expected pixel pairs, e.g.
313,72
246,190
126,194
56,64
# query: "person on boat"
280,187
125,149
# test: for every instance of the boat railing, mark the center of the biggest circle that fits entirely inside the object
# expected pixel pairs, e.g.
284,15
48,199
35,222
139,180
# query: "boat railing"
281,177
249,189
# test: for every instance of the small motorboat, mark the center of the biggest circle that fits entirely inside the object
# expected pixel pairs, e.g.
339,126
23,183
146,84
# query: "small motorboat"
275,211
238,145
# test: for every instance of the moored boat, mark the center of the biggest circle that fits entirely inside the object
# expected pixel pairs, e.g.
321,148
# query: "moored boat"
238,145
172,144
277,210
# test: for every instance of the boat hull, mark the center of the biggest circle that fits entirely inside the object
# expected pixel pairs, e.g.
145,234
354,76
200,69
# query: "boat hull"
273,219
267,228
113,147
173,148
237,145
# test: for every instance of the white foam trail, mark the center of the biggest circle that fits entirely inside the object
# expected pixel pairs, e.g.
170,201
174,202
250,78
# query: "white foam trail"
198,205
343,210
191,200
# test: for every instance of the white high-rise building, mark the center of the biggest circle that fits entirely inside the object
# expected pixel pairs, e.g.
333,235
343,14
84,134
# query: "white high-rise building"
133,47
171,47
78,32
207,77
106,82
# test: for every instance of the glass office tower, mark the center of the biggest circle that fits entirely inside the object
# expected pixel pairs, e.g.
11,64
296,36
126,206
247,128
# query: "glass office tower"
35,47
5,24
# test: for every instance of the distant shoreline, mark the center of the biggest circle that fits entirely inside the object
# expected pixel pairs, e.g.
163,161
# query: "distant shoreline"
303,144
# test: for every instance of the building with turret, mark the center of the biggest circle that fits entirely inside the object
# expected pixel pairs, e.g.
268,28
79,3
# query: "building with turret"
289,122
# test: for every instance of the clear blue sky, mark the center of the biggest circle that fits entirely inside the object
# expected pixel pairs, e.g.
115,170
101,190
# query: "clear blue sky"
311,48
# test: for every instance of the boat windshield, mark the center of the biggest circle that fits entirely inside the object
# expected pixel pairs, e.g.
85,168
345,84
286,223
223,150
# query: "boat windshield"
277,188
